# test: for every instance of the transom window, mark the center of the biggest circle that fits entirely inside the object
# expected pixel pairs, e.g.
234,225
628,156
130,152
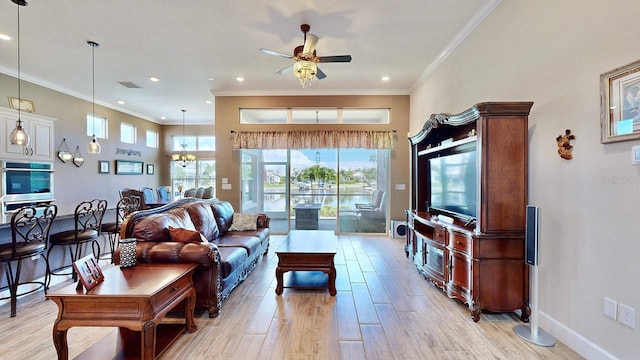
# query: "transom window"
193,143
315,116
152,139
128,133
97,125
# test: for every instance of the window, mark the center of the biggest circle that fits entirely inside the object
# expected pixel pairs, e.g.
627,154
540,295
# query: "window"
315,116
96,125
206,143
193,143
186,142
128,133
200,173
152,139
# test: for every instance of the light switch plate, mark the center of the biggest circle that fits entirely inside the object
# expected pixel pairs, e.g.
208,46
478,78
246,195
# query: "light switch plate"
610,308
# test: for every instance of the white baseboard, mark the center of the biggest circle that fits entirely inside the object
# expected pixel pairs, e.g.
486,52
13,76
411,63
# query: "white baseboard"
572,339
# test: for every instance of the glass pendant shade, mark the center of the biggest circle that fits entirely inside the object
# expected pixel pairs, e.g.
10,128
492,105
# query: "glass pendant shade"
94,146
19,136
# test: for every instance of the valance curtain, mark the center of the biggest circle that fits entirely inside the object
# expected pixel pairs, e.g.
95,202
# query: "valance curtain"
314,140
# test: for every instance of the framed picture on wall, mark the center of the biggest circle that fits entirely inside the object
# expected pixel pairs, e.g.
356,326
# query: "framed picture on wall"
620,103
103,167
128,167
150,169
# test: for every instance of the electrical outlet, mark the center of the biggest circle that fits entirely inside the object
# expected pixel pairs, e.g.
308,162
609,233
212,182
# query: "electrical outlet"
627,316
610,308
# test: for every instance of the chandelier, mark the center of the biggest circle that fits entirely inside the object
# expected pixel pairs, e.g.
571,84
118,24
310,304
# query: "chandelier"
183,158
305,69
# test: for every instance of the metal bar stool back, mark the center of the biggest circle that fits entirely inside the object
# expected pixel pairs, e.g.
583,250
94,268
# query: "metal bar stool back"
87,223
126,205
30,227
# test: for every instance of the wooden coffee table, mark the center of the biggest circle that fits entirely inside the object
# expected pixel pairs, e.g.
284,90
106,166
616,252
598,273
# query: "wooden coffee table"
133,299
307,251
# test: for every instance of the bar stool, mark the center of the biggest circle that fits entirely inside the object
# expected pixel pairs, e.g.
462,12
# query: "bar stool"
88,220
125,206
30,227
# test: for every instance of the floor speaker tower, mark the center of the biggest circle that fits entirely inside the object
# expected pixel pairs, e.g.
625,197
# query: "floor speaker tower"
533,333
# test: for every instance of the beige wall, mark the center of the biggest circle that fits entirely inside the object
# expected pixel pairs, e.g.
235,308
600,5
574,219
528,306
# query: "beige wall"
553,53
228,118
73,184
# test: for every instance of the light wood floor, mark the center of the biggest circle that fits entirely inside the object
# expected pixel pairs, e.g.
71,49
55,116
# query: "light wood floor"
383,310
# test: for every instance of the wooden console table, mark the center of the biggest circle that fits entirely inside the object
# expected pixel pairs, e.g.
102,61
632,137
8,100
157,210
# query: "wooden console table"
307,251
133,299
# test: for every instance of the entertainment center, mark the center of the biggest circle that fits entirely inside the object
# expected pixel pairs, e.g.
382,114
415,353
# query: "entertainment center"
466,225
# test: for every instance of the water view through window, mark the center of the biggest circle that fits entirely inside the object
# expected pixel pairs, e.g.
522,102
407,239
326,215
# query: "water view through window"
324,186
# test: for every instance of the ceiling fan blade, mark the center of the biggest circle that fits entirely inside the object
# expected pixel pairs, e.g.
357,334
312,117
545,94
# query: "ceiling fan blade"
337,58
288,68
275,53
310,44
320,74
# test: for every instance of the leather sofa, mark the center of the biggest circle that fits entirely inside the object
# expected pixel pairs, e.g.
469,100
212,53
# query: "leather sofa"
225,258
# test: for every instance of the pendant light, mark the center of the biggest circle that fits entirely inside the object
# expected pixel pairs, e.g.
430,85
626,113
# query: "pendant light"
94,147
183,158
19,136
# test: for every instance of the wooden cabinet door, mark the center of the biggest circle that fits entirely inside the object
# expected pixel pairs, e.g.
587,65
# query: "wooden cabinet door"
41,140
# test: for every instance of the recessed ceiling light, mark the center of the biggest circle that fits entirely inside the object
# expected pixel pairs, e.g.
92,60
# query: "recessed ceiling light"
121,102
5,37
384,78
211,78
209,102
163,118
154,79
240,78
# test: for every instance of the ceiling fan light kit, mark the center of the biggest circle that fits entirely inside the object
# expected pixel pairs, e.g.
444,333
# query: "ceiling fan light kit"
305,65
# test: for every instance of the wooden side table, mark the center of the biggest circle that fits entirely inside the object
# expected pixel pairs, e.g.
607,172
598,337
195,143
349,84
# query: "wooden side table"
133,299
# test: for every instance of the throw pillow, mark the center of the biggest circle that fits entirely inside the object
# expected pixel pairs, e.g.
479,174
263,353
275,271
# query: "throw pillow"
243,222
186,235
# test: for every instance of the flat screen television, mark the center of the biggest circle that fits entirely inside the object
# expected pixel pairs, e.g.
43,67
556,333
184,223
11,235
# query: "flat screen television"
453,184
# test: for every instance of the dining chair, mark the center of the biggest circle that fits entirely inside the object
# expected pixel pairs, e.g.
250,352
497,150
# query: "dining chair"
208,192
164,194
124,207
134,192
150,196
190,192
30,227
87,223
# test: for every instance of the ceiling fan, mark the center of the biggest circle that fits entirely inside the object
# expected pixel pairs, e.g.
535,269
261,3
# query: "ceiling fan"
305,65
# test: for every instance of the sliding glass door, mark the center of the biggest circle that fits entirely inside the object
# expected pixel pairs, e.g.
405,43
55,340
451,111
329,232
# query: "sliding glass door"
343,190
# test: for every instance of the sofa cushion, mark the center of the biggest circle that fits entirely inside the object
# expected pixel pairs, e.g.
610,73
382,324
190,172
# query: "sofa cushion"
232,258
155,227
223,212
250,243
186,235
243,222
261,233
202,218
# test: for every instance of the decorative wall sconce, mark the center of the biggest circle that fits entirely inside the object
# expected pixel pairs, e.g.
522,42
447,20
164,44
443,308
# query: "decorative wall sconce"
63,152
564,144
78,160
